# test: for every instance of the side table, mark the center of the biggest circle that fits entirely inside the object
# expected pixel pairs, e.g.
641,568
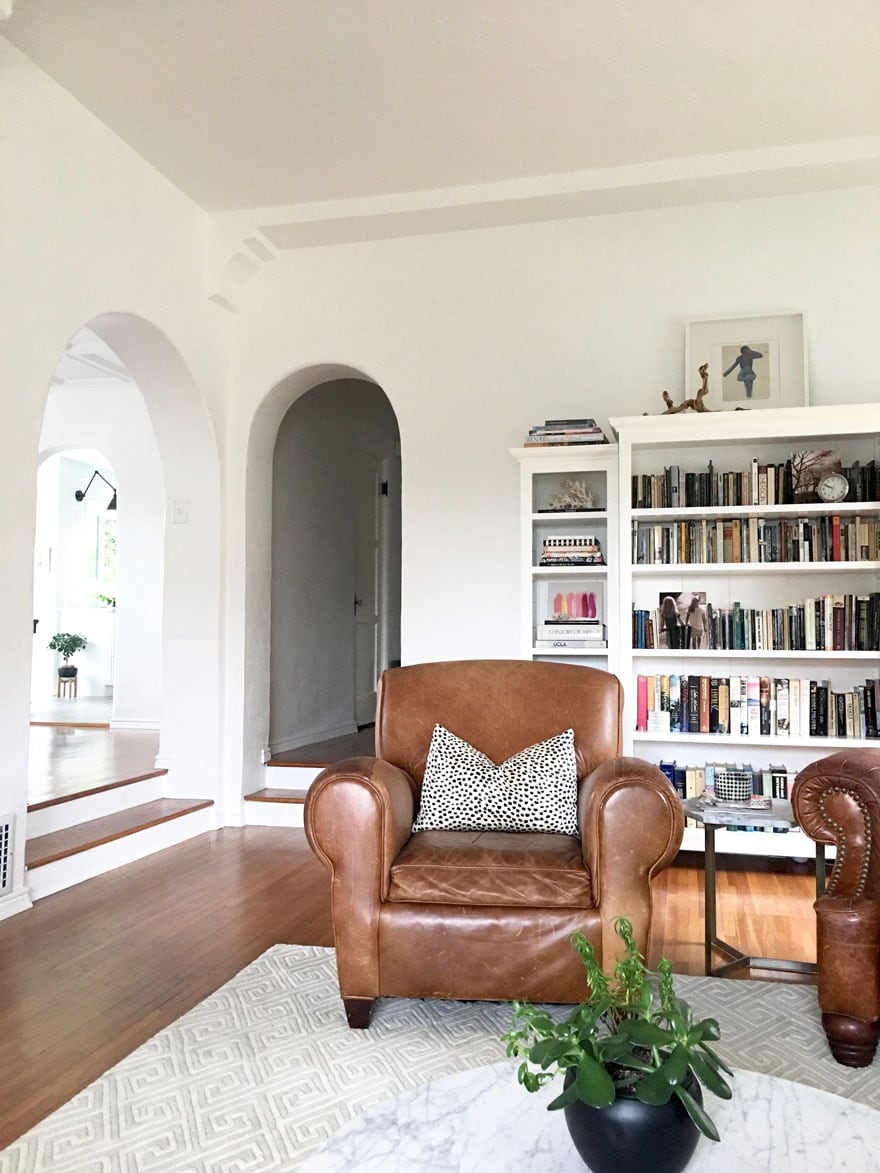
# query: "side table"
718,815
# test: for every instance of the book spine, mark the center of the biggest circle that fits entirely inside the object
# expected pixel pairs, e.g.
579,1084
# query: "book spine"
693,704
705,696
642,704
753,708
675,704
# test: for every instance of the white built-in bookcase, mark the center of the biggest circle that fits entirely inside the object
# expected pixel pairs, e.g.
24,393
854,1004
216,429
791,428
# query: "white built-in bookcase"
647,445
542,472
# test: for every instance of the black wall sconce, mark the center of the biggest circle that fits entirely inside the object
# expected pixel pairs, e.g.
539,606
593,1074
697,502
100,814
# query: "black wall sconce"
81,493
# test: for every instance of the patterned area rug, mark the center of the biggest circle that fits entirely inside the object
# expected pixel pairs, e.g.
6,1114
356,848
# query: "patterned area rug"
260,1073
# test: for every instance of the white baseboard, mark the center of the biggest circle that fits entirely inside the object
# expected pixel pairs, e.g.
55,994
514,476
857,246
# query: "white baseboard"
285,743
14,903
146,724
64,873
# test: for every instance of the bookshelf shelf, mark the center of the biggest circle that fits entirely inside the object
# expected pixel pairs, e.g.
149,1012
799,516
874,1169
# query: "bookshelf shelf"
807,509
725,743
566,653
750,654
718,451
588,569
665,569
566,517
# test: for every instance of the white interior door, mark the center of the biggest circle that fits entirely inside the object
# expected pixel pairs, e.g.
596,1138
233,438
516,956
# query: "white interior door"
367,537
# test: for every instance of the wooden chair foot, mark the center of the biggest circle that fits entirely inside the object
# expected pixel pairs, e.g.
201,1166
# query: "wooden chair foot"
358,1011
852,1041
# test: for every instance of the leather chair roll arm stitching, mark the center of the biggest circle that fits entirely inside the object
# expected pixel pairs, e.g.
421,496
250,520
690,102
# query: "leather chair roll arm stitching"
624,802
837,800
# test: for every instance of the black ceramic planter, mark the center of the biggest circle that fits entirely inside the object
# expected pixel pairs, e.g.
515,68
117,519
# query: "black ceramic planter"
67,671
631,1137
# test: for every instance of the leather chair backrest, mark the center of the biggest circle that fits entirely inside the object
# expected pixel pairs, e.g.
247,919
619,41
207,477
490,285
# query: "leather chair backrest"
500,707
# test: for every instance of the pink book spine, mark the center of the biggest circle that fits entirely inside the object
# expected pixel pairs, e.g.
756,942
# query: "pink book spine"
642,704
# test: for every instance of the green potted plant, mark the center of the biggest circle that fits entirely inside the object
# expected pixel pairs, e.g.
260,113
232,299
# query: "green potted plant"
630,1054
66,643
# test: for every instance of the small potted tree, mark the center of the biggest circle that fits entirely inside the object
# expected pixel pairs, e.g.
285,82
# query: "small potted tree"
66,643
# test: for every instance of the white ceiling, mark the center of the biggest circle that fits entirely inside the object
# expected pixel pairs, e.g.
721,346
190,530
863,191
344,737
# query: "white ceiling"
247,104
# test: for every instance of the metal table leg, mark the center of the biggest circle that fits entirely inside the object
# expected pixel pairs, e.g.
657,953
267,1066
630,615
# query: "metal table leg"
738,959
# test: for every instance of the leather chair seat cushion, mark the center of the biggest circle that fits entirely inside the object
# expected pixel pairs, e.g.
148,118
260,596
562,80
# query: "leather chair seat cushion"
492,868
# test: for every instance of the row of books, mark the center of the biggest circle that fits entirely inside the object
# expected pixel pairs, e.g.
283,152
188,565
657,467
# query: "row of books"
553,433
588,634
826,623
762,483
694,781
572,550
827,538
755,706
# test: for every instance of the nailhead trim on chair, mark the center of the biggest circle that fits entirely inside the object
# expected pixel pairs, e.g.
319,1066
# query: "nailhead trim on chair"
841,839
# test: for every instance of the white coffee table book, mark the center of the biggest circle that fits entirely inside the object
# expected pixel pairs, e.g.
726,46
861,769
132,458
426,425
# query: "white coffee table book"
482,1120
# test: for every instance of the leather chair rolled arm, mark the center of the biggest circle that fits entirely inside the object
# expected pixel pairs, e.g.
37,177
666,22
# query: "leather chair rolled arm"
631,825
837,801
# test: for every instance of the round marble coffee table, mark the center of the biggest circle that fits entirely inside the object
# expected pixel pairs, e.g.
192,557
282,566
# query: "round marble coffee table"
482,1120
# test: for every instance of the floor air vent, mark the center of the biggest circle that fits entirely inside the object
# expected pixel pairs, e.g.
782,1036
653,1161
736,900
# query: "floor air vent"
6,822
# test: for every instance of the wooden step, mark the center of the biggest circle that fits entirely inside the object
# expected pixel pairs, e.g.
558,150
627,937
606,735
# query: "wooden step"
59,799
48,849
277,794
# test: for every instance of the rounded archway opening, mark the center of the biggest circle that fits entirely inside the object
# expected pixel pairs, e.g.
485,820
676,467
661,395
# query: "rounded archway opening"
318,435
335,580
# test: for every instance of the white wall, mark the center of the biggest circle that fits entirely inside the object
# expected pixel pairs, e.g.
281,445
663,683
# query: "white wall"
312,658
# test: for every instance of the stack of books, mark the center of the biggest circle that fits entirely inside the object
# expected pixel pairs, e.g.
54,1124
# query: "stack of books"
588,634
558,432
572,550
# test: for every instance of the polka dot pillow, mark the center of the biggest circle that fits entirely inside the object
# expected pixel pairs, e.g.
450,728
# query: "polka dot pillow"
463,790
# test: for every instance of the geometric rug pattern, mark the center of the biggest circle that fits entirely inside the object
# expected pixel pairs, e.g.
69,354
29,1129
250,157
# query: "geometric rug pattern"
261,1072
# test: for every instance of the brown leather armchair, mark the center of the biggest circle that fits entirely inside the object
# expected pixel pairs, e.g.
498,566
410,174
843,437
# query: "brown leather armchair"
837,801
486,915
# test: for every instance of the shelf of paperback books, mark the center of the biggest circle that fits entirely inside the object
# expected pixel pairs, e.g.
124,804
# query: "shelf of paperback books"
753,601
569,541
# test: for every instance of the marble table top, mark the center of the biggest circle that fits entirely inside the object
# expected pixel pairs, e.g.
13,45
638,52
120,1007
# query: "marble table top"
482,1119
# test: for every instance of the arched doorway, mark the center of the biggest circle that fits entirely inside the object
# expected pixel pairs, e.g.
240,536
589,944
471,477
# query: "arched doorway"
98,449
135,423
335,561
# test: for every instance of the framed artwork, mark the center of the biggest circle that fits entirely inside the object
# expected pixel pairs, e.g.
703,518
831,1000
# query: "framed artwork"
754,362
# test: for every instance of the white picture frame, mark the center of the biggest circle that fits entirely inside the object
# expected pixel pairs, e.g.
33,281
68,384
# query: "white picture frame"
755,362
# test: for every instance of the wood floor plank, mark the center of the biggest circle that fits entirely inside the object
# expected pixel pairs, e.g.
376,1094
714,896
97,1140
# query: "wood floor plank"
277,794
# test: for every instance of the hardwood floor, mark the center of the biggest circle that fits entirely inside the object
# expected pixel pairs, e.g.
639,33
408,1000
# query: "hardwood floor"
322,753
89,974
